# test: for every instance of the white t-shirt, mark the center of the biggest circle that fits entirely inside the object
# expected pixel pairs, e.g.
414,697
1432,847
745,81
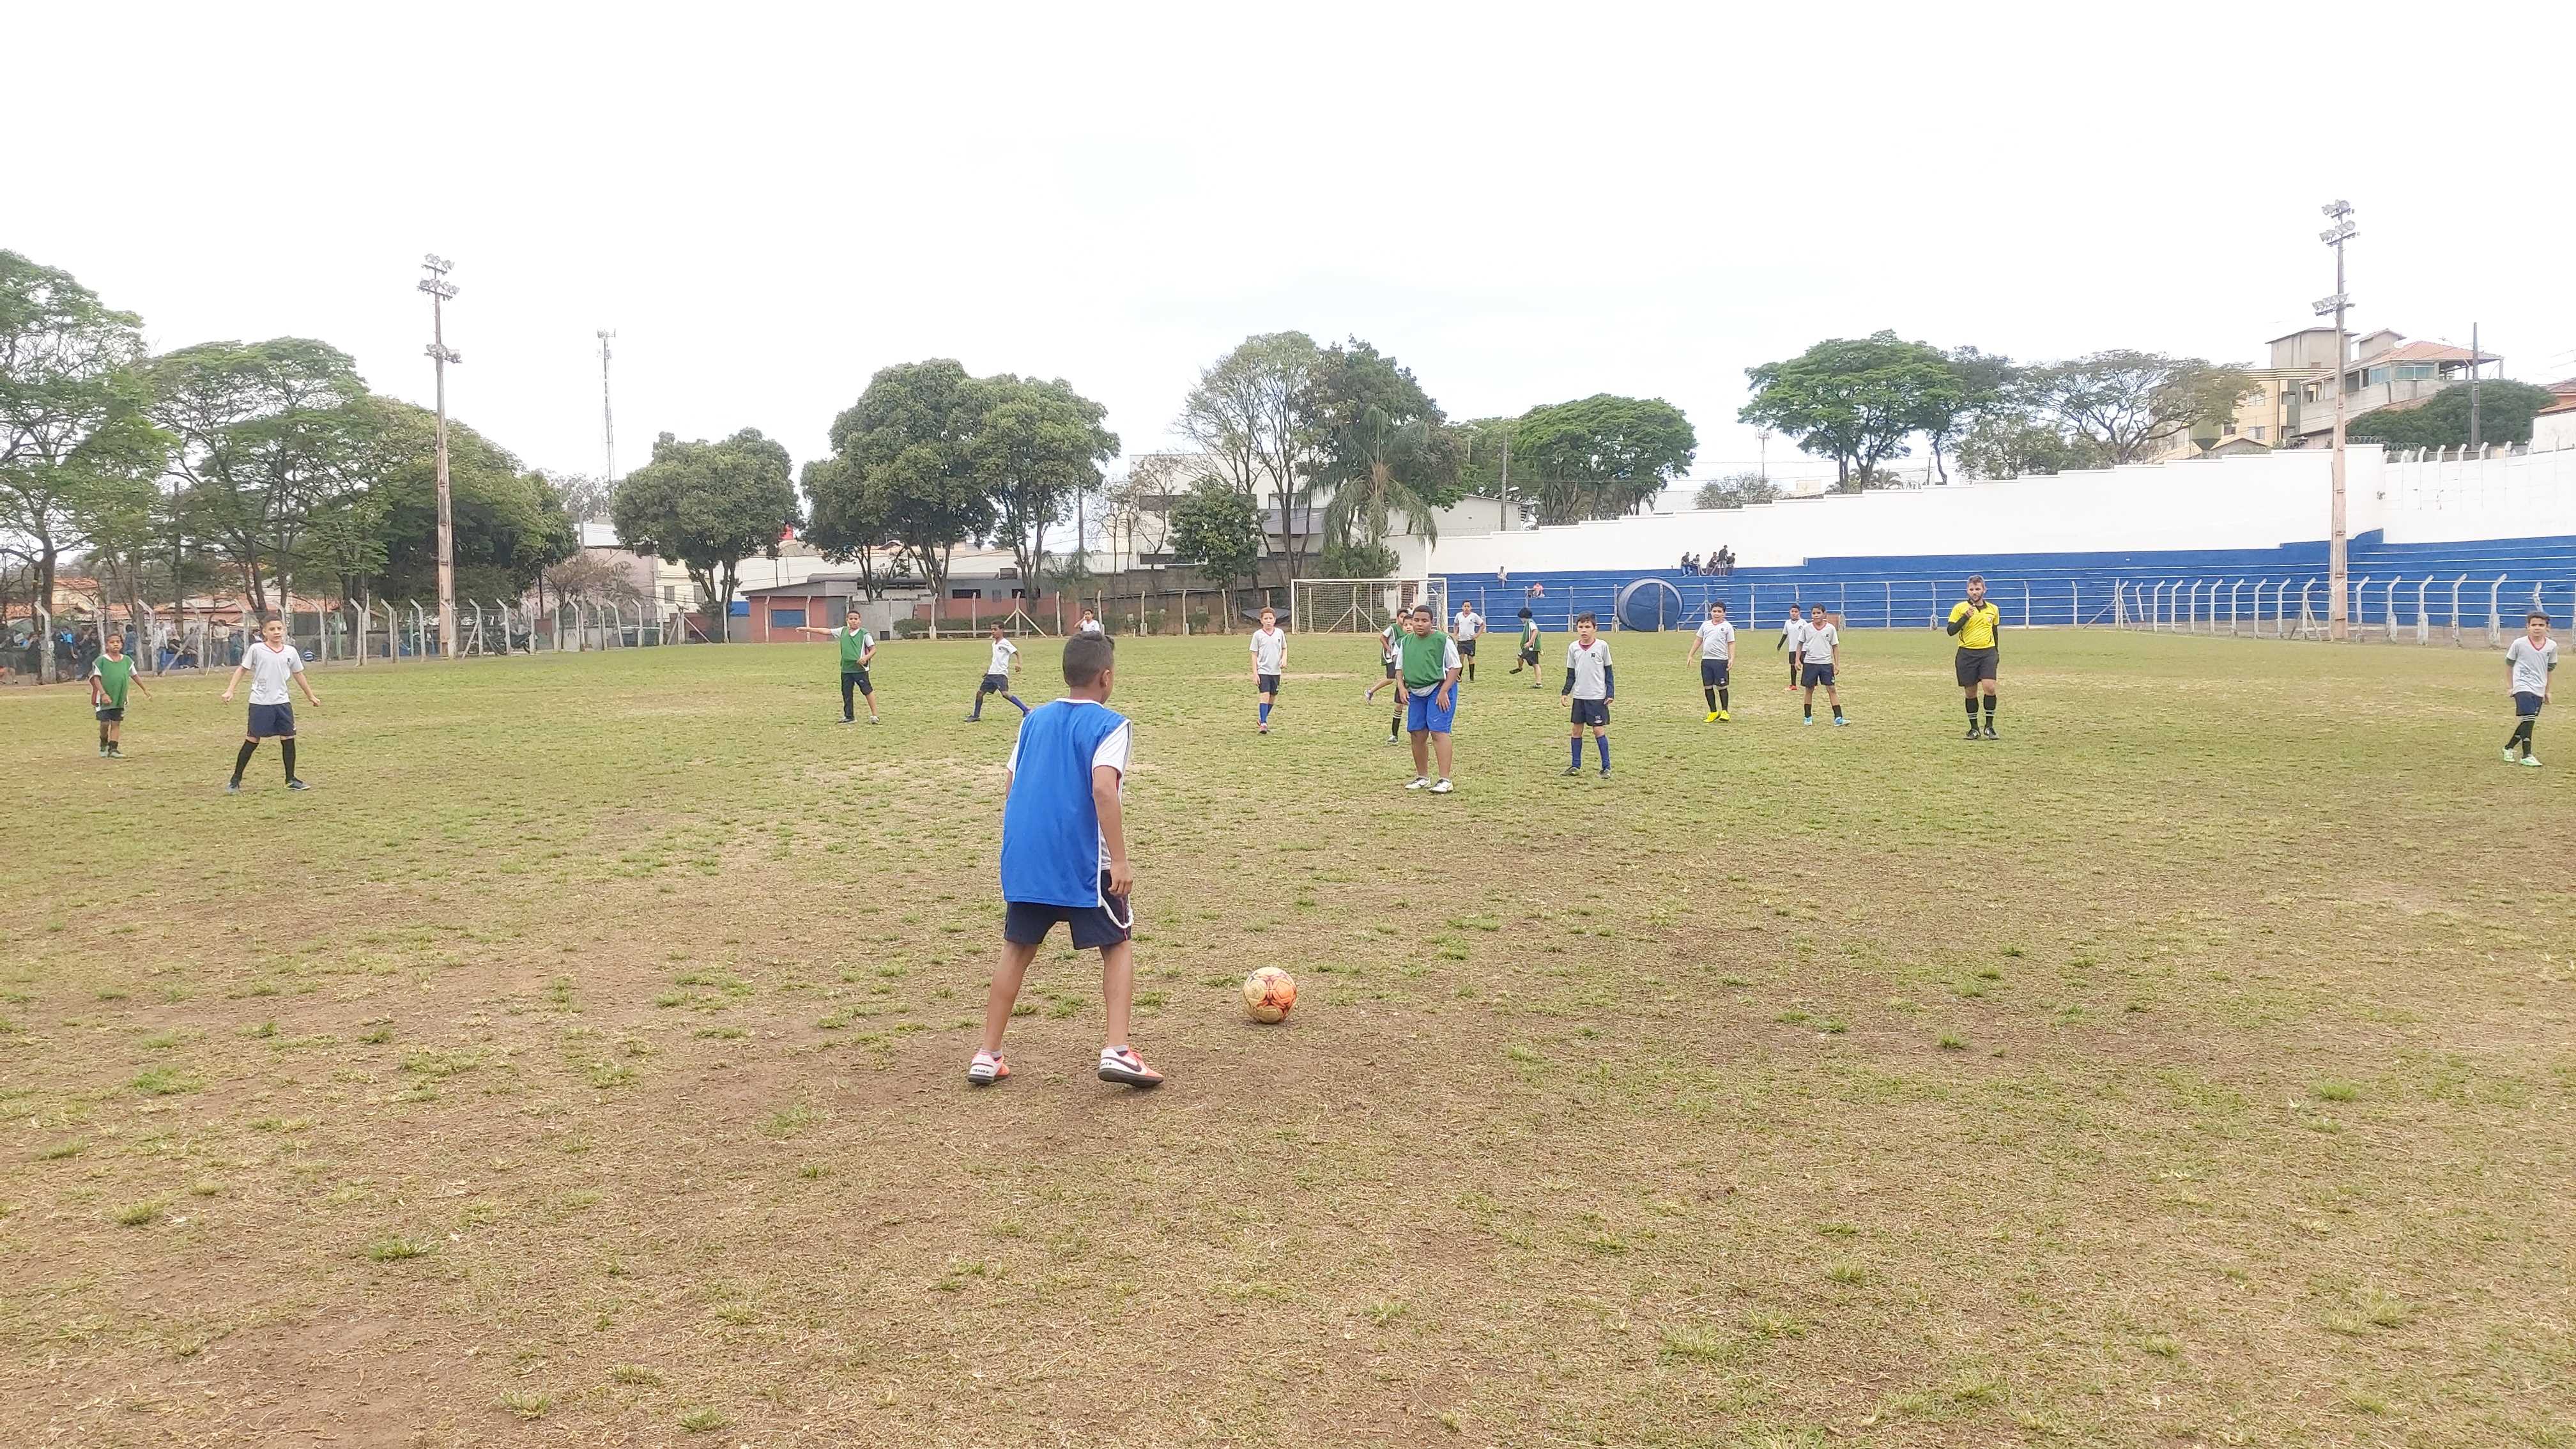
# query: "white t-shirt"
270,669
1717,640
1470,624
1591,668
1818,641
1003,649
1111,751
1796,630
1092,626
2531,664
1269,650
1386,643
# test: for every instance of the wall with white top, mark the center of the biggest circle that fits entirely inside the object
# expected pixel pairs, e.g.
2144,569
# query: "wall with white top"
2264,501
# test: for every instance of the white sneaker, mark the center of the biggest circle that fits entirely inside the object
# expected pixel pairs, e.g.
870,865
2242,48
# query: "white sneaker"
1419,783
2531,762
1443,787
2509,757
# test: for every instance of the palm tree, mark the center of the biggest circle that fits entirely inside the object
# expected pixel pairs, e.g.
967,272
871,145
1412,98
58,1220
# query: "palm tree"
1364,502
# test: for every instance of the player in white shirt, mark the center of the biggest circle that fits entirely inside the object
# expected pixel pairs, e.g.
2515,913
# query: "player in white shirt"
1715,646
270,663
2527,662
1091,624
1820,647
1269,660
1793,637
1470,624
997,676
1588,683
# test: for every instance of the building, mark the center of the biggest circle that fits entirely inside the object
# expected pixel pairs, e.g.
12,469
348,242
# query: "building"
2554,427
2264,417
2384,369
667,584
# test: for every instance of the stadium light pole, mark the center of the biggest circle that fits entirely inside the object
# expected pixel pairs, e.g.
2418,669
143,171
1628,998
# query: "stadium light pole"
2338,618
607,415
441,291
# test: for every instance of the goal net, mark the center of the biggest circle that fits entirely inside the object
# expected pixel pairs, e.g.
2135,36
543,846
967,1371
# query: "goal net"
1360,606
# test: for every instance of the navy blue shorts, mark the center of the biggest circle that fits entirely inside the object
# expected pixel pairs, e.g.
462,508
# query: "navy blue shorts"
996,684
2524,704
1592,712
110,713
1026,923
1712,673
1467,648
271,721
1819,674
1269,684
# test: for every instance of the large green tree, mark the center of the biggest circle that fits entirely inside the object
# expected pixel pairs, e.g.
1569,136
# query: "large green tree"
2130,405
1856,400
706,506
1382,445
77,452
1602,456
271,436
1246,414
1035,445
1215,527
2505,411
845,521
905,471
511,522
1984,384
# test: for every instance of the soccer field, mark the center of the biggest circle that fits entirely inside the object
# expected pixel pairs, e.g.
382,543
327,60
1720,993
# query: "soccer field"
581,1062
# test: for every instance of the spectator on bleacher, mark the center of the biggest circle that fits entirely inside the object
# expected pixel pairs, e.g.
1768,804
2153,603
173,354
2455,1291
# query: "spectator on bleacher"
1690,565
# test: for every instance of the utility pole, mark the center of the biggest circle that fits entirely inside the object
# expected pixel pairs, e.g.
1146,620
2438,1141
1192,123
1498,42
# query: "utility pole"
441,291
2477,359
1762,439
607,415
2338,562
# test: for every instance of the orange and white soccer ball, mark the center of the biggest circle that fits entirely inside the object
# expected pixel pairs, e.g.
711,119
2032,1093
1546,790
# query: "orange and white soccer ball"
1268,994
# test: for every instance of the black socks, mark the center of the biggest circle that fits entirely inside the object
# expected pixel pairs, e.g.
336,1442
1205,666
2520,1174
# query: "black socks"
1972,709
2521,736
1711,692
241,761
1990,711
286,748
1721,699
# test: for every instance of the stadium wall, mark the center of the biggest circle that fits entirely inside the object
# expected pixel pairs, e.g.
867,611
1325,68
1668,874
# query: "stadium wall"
2226,505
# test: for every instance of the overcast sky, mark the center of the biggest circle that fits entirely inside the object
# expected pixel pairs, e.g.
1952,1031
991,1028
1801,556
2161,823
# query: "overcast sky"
1523,203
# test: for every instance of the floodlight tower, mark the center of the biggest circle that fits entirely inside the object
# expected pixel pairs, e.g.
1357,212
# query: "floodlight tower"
441,291
2338,619
607,416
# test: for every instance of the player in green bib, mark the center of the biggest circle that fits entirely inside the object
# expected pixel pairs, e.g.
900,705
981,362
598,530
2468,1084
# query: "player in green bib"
110,675
858,646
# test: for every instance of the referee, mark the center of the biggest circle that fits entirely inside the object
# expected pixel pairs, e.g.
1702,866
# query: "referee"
1974,621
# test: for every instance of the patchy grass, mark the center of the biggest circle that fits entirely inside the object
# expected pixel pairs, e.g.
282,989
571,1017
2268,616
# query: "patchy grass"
1611,1112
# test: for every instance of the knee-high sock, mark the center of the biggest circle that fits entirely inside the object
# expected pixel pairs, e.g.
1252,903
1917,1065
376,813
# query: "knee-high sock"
286,752
1576,746
241,761
1015,701
1972,708
1990,709
1604,742
1395,725
1265,711
1721,696
1710,690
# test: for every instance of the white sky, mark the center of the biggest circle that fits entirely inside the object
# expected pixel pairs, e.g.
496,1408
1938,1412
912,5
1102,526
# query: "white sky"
1525,203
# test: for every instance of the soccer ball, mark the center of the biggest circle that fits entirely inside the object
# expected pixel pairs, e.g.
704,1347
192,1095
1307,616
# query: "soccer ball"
1268,993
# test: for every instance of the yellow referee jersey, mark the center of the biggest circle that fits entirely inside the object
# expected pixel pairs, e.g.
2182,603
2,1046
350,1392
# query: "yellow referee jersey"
1980,621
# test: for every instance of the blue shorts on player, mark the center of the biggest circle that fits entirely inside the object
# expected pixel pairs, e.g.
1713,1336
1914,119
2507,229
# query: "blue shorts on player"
1422,713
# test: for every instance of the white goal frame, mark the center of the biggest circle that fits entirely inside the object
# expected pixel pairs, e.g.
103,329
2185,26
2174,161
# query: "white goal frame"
1360,606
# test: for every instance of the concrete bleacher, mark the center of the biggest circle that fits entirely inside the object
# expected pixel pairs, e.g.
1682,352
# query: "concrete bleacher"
2059,589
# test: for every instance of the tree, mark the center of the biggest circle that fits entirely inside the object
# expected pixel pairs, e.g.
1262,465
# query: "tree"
1215,527
76,450
846,522
1984,383
1245,414
1602,456
2008,444
593,576
511,523
1035,445
1382,449
1483,445
707,506
1856,400
585,496
1736,490
269,435
2505,411
906,471
2131,405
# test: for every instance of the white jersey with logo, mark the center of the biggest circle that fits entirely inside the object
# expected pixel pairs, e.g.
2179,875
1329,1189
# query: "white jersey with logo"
2531,664
1003,649
1092,626
1470,624
1816,645
1796,633
1386,642
1269,650
270,669
1591,666
1717,640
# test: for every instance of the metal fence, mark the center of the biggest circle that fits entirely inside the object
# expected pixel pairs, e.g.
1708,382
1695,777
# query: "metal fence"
383,631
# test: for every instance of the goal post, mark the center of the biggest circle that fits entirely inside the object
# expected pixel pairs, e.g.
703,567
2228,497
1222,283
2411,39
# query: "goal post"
1360,606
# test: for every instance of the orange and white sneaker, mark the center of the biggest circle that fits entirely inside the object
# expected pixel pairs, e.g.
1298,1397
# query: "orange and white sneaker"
986,1069
1123,1066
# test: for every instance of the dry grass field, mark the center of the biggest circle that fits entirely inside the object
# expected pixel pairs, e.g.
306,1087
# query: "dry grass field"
581,1063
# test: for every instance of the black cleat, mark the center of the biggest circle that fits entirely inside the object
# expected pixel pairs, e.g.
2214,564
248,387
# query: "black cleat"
1605,772
297,785
1572,770
232,787
1972,733
1990,733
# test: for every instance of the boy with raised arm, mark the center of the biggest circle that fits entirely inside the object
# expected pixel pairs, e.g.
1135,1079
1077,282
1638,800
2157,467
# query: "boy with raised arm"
997,676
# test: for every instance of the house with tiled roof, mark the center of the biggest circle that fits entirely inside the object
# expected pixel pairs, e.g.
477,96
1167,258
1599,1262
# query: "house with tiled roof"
2382,369
2554,426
